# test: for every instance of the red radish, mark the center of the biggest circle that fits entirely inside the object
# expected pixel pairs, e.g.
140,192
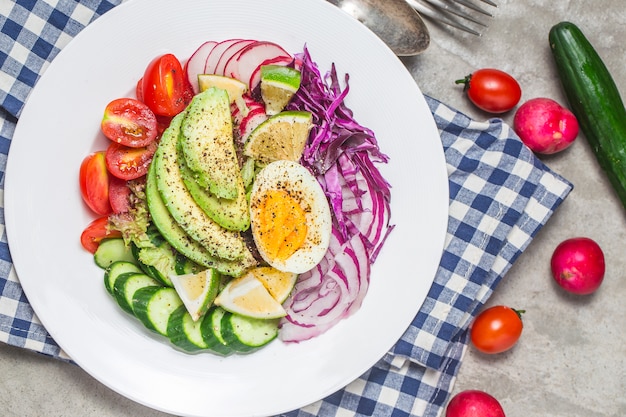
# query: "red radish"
474,403
255,78
251,57
196,63
545,126
231,51
578,265
216,53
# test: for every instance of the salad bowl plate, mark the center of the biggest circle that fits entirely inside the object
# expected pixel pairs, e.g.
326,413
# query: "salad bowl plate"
45,215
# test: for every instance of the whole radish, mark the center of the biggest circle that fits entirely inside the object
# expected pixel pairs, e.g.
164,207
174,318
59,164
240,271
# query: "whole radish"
474,403
545,126
578,265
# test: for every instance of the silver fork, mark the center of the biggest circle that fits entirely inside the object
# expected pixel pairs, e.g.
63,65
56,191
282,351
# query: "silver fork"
465,15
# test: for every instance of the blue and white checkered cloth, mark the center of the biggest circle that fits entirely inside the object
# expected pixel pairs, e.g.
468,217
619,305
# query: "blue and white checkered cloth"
500,197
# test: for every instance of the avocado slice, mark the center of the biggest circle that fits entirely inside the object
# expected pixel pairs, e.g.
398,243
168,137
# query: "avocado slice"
232,214
208,145
182,242
218,241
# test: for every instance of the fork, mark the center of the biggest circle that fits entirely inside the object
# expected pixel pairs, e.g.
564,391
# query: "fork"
455,13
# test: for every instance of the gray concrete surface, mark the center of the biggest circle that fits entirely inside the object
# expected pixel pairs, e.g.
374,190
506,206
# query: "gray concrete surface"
571,359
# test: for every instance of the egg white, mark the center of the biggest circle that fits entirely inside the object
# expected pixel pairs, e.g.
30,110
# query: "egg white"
304,188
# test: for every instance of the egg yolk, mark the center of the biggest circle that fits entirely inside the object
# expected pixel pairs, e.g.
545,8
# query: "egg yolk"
282,226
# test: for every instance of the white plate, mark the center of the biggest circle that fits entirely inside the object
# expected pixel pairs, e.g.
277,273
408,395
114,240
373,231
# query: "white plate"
45,215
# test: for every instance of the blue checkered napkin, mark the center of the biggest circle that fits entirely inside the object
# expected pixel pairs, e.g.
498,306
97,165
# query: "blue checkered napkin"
32,33
500,196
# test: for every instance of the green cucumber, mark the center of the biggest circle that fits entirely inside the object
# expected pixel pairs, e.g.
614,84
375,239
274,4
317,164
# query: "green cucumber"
184,332
113,272
112,250
154,305
594,99
184,266
245,334
126,285
211,328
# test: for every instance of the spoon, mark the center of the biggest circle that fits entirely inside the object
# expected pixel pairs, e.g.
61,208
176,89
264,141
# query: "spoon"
394,21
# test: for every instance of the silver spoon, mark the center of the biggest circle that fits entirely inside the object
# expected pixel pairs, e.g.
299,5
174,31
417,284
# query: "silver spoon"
394,21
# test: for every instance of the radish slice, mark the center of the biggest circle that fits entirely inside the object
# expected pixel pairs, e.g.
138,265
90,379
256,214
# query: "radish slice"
196,63
251,57
255,78
216,54
254,118
231,68
228,53
251,105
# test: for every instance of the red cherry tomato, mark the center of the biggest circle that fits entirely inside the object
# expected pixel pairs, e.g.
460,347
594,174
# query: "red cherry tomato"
94,183
95,232
128,163
139,90
496,329
119,194
165,88
492,90
129,122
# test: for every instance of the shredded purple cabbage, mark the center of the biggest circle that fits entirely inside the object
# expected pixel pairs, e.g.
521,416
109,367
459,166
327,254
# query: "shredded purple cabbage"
338,145
343,155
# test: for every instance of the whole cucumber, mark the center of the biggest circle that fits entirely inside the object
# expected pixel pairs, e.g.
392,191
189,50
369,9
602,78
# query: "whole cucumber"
594,99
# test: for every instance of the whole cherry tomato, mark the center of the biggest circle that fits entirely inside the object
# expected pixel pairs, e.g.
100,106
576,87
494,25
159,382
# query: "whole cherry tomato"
492,90
165,88
496,329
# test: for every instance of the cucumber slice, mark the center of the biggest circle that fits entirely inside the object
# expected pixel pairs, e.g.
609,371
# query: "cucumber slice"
211,329
185,266
113,272
126,285
112,250
245,334
184,332
153,306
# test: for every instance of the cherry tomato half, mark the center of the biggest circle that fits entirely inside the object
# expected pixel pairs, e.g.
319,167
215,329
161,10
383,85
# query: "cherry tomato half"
128,163
165,88
496,329
95,232
129,122
119,194
94,183
492,90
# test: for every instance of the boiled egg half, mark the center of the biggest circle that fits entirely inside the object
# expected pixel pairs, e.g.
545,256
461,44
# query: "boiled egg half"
289,217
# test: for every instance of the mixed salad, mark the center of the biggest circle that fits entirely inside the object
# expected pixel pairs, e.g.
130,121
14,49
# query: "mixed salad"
340,154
